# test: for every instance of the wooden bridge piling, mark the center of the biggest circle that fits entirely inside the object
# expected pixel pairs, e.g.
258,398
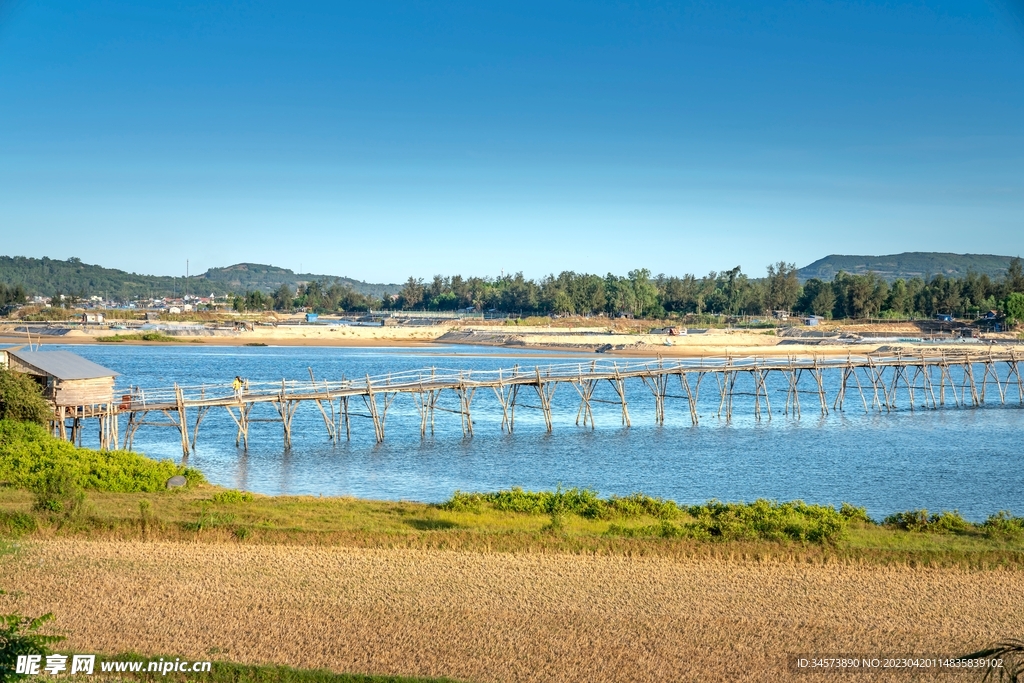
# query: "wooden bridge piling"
906,380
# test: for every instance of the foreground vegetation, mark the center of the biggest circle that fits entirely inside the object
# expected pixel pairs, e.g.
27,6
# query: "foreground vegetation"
31,459
517,521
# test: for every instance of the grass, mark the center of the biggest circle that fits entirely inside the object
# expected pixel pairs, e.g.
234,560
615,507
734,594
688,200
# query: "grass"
147,337
636,525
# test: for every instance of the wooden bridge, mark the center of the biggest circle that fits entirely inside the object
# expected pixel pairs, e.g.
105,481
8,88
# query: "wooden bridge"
876,382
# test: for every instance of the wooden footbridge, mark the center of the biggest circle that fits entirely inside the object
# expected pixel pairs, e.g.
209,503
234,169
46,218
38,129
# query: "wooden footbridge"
876,382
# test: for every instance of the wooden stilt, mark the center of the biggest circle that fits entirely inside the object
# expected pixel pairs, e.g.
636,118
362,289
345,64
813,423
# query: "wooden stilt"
182,420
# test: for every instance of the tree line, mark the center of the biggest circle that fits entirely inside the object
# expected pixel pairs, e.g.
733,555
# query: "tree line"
640,294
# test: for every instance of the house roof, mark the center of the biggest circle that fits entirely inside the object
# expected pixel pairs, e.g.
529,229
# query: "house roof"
62,364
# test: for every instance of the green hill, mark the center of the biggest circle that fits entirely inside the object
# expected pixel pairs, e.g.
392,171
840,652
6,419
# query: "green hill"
922,264
45,276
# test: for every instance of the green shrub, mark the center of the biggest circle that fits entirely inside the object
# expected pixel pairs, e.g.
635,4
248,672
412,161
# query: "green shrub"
29,457
1004,524
231,496
58,490
21,399
638,505
582,502
948,523
853,513
16,524
768,520
760,520
911,520
464,502
919,520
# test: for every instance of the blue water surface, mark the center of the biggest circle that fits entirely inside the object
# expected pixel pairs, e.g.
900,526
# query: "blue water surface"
950,458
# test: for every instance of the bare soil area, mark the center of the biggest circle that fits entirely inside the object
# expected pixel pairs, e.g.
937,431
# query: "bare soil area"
500,616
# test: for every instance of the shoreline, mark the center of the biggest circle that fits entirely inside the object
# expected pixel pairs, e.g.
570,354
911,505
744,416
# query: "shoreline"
630,348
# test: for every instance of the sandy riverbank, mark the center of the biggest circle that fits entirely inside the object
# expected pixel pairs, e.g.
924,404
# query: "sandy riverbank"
713,342
503,617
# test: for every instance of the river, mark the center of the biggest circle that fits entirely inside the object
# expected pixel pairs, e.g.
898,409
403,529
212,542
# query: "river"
951,458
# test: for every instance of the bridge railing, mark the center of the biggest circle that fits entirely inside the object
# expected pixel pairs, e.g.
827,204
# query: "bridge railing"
435,377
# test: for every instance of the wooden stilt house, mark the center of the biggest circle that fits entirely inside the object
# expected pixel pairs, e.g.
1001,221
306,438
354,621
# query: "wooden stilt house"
77,388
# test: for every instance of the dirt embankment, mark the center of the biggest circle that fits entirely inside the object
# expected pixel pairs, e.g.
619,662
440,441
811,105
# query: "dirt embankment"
503,617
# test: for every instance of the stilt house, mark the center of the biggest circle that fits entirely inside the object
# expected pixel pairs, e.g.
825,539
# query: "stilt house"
77,388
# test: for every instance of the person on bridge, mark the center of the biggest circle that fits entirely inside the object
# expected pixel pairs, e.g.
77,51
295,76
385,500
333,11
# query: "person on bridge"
237,386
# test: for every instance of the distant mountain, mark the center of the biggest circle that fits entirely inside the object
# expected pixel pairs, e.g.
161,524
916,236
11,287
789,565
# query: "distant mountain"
45,276
922,264
245,277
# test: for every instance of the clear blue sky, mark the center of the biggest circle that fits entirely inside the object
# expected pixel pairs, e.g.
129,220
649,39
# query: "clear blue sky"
386,139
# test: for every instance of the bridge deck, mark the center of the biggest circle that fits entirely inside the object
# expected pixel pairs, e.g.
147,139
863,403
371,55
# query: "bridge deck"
883,377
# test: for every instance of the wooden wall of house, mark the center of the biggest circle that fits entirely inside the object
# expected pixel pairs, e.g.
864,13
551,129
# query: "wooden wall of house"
15,363
83,392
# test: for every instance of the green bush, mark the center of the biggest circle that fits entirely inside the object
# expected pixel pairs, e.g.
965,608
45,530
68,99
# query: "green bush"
582,502
30,458
853,513
768,520
231,496
638,505
14,524
760,520
911,520
21,399
1004,524
919,520
58,490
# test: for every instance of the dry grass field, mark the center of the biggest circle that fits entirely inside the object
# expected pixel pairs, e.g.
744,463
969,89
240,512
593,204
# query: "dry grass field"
481,616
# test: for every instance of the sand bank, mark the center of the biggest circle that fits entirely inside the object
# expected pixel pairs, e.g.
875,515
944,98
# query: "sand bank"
713,342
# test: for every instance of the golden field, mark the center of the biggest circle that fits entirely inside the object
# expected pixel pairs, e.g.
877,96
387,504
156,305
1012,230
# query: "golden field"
483,616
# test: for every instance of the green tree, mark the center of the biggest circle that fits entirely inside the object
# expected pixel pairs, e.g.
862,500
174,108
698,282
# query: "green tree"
817,298
783,287
645,294
1015,276
283,298
1013,307
21,398
411,295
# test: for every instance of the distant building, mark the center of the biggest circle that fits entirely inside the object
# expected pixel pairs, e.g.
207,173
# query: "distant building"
92,318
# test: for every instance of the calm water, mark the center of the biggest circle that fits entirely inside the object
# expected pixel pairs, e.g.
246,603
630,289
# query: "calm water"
966,459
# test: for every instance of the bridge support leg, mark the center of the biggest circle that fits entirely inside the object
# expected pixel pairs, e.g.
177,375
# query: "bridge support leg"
242,422
182,420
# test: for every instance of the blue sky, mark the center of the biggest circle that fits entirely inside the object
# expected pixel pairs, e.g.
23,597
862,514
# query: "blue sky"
382,140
